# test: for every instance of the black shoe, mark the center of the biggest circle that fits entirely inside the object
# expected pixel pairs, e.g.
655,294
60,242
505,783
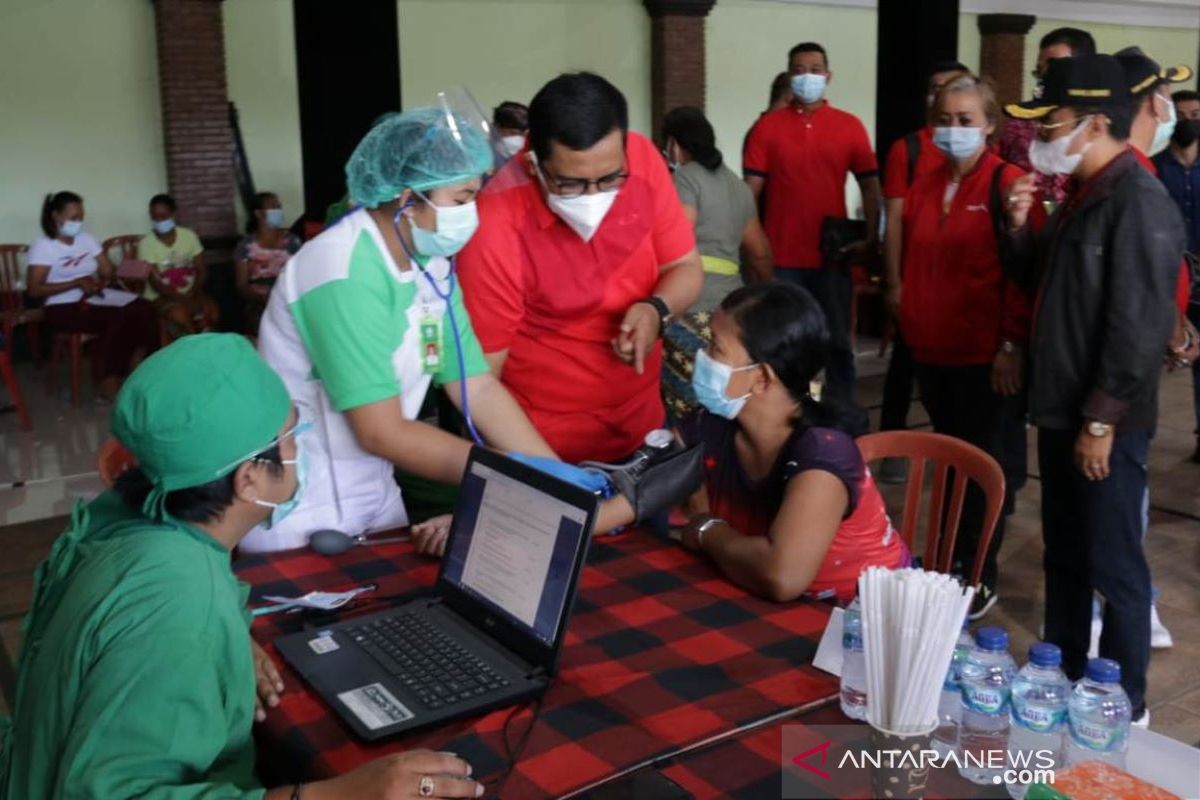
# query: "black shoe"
982,603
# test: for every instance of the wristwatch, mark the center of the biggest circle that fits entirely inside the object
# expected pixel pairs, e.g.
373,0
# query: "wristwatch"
1098,429
664,311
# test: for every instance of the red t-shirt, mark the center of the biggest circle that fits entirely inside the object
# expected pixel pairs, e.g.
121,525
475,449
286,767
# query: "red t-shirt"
1183,286
895,168
805,159
533,287
957,305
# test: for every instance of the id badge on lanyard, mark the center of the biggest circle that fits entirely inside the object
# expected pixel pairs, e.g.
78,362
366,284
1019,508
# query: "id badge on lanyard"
431,342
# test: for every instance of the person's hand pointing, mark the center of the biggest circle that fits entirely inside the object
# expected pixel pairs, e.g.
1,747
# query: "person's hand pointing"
636,335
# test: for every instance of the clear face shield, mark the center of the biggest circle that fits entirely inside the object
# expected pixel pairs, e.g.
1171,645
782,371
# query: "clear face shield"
470,126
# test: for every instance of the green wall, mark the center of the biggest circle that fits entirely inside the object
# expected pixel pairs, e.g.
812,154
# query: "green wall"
79,110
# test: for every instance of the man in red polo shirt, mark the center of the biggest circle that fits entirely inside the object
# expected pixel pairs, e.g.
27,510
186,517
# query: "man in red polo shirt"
800,157
582,255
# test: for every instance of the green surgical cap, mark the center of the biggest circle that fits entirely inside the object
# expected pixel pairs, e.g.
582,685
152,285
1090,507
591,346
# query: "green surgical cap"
419,149
193,411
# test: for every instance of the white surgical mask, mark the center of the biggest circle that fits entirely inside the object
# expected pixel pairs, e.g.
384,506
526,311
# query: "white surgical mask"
583,213
1050,158
513,144
71,228
275,217
808,87
1162,134
958,142
710,382
164,226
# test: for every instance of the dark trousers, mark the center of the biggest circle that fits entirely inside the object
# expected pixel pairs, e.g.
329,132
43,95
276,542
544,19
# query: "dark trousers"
961,403
1093,536
122,332
897,387
833,289
1014,443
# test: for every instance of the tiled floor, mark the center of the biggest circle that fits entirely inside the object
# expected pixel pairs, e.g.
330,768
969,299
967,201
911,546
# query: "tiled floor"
57,463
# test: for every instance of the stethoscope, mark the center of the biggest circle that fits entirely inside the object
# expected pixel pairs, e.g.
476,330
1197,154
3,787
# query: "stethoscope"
445,298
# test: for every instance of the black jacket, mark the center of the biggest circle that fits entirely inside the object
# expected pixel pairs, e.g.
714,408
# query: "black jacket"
1104,270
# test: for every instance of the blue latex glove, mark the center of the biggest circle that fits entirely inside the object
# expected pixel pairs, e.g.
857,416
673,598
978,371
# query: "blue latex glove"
592,481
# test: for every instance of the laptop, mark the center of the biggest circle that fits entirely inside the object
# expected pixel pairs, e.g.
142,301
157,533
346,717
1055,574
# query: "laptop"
488,636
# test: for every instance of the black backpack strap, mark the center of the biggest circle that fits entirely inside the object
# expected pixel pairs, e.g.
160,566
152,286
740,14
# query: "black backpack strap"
996,203
913,143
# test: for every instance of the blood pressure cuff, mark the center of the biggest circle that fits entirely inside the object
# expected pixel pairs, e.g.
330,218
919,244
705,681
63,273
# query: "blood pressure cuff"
666,483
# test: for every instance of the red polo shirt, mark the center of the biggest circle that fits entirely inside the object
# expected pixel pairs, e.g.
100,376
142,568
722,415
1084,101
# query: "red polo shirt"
1183,286
805,159
957,305
533,287
895,168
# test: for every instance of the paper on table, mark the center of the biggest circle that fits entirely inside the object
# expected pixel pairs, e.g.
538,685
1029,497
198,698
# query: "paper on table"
112,298
326,601
829,651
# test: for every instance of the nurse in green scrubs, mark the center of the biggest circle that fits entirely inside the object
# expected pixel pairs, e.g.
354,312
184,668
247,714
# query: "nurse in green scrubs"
137,677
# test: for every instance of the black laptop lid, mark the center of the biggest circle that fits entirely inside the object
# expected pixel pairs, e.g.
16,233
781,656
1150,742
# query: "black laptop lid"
515,550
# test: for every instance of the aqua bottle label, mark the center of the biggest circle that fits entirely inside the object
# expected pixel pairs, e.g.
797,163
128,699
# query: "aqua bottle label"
1037,718
985,699
1096,735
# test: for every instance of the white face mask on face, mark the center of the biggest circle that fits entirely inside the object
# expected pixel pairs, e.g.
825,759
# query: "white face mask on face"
583,213
513,144
1050,158
1162,133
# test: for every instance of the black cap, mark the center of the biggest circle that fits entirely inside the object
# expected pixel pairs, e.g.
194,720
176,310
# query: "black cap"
1142,71
1095,80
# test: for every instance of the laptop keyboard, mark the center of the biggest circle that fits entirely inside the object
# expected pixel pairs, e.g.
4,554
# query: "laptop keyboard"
425,660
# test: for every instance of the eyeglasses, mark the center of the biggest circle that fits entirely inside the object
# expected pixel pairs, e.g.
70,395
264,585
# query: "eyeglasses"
296,430
574,187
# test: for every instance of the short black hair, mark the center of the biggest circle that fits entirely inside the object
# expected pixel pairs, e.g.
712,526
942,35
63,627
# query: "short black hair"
1120,118
204,503
808,47
1184,95
52,204
948,66
1079,40
779,87
511,114
163,200
688,126
576,109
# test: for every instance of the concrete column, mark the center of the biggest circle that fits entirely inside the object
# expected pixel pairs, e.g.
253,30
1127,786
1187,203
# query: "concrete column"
1002,53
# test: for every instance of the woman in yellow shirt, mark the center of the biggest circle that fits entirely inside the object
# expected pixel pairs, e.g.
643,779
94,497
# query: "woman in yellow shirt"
176,281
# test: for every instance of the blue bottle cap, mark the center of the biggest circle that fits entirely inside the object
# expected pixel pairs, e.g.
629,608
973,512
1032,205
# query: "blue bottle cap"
1103,670
1044,654
991,638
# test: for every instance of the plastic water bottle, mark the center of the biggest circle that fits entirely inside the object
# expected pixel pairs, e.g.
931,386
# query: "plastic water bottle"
1040,694
987,677
1099,716
945,738
854,664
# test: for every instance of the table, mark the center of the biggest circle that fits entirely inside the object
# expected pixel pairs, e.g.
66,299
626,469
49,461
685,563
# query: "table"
662,653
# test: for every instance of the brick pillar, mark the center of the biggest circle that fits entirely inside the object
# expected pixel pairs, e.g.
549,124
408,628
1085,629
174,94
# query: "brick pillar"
195,111
1002,53
676,55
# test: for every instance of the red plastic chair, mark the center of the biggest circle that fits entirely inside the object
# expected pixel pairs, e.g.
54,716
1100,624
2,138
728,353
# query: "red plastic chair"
944,452
14,391
113,460
13,312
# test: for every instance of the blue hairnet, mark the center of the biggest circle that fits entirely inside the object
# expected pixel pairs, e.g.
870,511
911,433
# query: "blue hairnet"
419,149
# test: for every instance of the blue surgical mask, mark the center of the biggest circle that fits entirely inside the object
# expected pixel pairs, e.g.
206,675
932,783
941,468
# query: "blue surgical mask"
1162,134
71,228
275,217
279,511
455,225
808,87
710,382
958,142
164,226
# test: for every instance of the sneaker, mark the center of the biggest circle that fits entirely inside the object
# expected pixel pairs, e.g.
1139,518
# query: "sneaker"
1094,642
982,603
1143,721
893,470
1160,637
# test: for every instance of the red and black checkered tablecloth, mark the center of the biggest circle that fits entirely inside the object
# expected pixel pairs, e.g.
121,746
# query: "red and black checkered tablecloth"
662,652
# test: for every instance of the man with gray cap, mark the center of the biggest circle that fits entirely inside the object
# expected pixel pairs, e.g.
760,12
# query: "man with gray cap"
136,678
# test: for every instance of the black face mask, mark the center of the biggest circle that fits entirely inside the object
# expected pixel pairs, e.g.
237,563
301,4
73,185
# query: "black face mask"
1186,132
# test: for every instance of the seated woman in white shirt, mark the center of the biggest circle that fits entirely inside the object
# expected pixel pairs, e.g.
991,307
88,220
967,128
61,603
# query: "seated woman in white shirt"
68,269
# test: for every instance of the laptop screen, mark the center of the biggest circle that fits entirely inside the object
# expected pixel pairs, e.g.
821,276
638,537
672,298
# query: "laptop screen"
513,549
